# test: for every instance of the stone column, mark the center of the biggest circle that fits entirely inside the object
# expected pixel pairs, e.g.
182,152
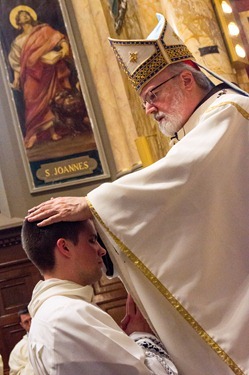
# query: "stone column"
195,22
92,20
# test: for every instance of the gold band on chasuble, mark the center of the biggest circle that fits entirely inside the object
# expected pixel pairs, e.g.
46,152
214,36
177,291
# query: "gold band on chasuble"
241,110
170,298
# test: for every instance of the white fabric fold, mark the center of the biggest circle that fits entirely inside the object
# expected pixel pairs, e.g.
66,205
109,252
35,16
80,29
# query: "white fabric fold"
70,335
53,287
178,233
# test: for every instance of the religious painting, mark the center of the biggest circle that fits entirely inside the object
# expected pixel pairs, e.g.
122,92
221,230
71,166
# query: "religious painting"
49,97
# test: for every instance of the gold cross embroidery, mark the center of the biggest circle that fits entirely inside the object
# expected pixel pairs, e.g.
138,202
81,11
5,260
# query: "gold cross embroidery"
133,56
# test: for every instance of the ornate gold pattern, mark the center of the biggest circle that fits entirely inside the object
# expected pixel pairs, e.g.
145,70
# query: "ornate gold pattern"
171,299
177,53
156,62
144,73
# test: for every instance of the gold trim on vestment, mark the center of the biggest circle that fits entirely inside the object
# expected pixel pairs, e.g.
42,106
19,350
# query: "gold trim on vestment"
241,110
170,298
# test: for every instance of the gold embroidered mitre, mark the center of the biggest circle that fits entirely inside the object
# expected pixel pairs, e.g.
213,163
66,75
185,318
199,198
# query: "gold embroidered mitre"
143,59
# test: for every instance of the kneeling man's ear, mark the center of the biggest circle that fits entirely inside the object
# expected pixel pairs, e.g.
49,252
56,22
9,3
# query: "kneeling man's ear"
63,246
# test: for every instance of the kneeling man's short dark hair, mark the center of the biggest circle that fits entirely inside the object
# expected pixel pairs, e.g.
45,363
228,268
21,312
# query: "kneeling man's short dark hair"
39,242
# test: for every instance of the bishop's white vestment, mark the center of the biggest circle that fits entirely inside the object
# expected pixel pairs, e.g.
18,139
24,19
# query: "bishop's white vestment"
178,234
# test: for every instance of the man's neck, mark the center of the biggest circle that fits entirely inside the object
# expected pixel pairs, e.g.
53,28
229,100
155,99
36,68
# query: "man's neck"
27,28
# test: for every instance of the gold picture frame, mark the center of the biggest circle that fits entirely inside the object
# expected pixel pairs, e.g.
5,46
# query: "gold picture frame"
48,94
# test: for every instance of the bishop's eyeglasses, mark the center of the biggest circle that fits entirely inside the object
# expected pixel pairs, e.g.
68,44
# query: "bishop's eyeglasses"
151,96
